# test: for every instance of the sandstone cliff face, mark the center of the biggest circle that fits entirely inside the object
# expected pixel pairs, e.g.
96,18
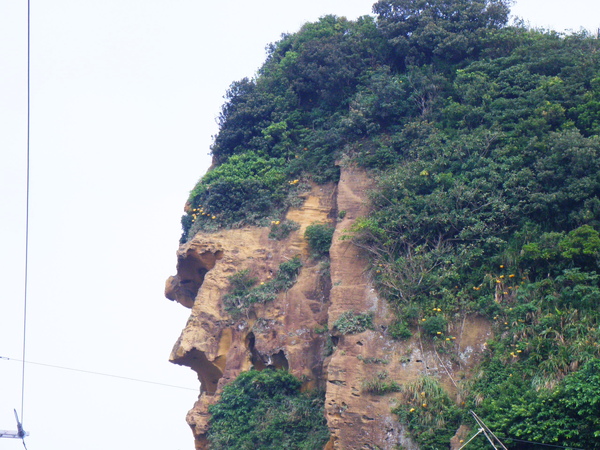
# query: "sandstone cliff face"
282,334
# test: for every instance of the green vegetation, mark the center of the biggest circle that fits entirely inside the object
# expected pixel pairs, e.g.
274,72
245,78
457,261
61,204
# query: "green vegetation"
380,385
265,410
399,331
350,322
282,229
244,291
484,141
319,238
431,416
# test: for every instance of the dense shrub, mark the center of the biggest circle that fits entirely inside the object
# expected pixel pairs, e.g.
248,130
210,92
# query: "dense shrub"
266,410
319,238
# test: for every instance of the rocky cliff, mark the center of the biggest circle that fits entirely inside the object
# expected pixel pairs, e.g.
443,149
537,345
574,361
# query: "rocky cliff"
287,333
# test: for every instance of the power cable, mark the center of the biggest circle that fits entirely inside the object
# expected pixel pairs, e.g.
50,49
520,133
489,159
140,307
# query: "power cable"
545,445
26,209
91,372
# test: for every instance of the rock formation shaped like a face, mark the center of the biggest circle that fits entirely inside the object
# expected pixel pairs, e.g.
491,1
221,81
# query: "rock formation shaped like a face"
287,332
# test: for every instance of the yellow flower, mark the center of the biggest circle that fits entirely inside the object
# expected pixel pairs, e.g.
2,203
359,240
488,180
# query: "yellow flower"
447,339
424,320
424,405
501,276
213,217
411,410
439,332
502,266
512,275
277,222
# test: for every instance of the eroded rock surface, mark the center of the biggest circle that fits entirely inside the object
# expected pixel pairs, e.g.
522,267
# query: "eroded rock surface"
285,333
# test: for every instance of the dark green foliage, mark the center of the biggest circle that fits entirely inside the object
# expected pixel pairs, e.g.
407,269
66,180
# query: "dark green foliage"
350,322
564,413
319,238
424,30
399,331
265,410
434,325
244,290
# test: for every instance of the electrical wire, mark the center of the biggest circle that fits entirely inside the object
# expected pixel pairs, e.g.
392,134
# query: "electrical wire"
91,372
545,445
26,209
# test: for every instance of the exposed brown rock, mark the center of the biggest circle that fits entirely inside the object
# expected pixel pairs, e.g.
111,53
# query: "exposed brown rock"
282,333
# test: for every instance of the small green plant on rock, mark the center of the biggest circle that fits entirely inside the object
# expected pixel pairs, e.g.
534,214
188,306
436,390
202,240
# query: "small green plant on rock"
319,237
282,229
350,322
380,385
244,290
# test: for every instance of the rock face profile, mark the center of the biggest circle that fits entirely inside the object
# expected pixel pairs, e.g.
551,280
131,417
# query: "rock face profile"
287,333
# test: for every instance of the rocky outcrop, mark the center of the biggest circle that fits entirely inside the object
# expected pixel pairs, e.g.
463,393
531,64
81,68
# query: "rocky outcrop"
287,333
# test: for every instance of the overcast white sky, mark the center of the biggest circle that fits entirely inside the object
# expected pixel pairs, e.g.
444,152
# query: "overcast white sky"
124,96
